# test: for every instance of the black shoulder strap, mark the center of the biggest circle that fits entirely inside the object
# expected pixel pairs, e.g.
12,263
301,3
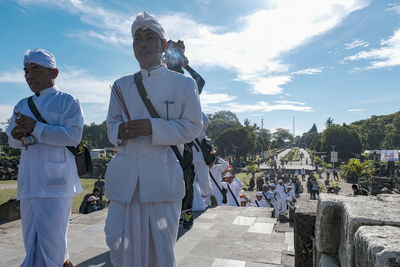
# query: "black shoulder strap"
257,203
35,111
230,190
150,108
38,116
215,182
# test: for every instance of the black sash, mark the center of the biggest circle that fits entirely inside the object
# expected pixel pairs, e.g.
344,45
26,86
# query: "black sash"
257,203
230,190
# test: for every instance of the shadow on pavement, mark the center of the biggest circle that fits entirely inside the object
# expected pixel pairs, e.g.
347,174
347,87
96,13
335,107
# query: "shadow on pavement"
102,260
182,230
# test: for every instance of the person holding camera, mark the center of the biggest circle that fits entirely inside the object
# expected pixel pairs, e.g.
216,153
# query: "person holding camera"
199,186
47,173
151,115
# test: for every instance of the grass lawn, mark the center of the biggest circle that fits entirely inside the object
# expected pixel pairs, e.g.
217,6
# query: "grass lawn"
87,185
8,182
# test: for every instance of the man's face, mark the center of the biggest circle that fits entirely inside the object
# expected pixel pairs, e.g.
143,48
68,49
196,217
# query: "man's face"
148,48
39,77
265,189
259,198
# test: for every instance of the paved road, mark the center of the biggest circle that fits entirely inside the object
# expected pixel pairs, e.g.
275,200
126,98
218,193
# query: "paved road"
294,165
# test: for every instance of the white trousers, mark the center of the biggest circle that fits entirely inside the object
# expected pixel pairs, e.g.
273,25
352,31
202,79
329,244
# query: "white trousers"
198,201
142,234
44,229
203,178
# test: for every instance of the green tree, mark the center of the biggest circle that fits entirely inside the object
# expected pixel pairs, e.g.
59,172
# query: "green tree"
238,141
359,169
221,121
346,141
253,169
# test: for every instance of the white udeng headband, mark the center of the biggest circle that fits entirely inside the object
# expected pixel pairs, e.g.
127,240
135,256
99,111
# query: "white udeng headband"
146,21
41,57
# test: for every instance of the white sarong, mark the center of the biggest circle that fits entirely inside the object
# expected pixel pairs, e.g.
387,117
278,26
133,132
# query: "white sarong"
142,234
198,201
44,228
203,179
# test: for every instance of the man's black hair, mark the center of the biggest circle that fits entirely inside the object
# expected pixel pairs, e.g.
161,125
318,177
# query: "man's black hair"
96,189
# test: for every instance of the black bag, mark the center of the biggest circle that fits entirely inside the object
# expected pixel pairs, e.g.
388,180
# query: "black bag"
84,205
81,152
207,150
224,196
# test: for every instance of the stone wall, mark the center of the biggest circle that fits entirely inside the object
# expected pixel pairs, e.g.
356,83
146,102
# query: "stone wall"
304,228
347,228
380,182
8,169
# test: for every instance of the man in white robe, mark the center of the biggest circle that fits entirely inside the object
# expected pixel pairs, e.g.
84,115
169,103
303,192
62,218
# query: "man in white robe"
259,201
144,181
216,170
47,173
274,199
202,187
232,190
282,189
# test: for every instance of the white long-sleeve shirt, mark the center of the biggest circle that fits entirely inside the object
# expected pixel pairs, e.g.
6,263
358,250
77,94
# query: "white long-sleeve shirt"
48,168
149,159
235,191
261,203
216,171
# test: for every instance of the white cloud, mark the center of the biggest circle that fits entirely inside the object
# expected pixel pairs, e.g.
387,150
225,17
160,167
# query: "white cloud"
356,109
209,99
78,82
263,106
254,51
395,7
5,113
309,71
356,43
12,77
271,85
388,55
289,102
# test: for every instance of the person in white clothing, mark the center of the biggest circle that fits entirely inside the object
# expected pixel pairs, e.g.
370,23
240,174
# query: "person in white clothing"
282,189
259,201
47,173
232,190
274,199
216,170
144,181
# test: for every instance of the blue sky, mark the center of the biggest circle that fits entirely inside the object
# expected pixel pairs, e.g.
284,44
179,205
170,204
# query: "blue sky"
269,60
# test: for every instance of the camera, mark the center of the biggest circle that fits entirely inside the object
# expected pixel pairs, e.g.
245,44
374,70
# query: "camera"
174,55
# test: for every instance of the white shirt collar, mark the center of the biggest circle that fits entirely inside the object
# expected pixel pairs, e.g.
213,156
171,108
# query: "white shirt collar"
153,73
47,91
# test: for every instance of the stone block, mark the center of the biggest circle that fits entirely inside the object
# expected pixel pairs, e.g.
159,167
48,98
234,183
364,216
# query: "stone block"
10,210
304,228
328,261
377,246
359,211
328,223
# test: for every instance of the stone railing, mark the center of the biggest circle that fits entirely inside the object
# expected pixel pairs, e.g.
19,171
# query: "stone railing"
357,231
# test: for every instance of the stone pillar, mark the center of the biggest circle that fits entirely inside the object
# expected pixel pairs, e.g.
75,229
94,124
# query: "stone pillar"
304,228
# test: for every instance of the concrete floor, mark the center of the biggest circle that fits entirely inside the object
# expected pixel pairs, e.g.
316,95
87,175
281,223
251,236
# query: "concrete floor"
222,236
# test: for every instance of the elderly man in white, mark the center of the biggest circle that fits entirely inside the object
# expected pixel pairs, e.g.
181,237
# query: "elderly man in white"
144,181
47,173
